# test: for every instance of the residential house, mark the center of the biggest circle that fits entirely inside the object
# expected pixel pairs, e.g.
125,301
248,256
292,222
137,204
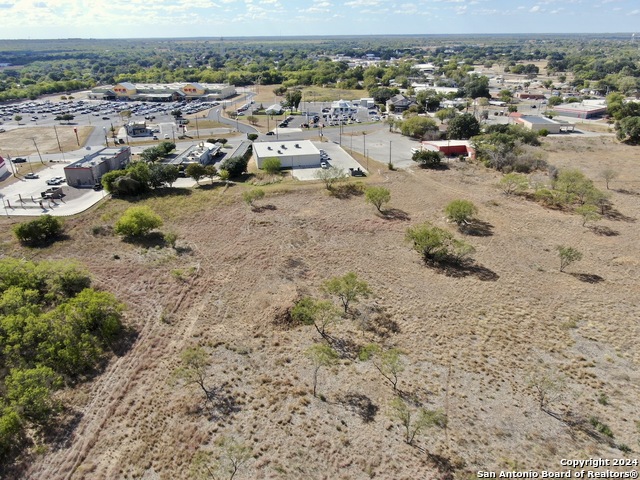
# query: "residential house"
399,103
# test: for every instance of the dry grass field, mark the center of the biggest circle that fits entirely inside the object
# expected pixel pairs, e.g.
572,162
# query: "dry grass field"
19,141
475,342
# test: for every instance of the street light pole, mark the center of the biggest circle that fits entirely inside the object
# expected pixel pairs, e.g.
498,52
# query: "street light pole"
104,130
390,164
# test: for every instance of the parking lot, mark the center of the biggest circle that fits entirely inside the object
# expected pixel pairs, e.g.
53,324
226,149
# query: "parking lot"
338,158
24,196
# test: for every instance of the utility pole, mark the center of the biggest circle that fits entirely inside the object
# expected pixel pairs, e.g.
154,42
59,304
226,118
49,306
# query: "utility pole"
37,150
390,153
364,142
58,140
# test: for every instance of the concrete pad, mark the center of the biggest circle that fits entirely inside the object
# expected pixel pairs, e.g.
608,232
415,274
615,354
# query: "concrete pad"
338,158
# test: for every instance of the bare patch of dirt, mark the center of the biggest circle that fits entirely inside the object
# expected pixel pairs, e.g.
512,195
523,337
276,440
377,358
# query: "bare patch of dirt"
470,346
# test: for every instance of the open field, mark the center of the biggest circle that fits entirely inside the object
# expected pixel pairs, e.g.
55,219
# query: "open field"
474,342
266,96
19,141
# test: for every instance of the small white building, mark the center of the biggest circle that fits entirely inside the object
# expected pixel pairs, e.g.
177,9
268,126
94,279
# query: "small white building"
292,153
367,102
275,109
202,153
342,108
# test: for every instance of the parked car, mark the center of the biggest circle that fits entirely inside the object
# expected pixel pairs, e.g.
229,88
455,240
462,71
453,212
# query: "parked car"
270,133
31,175
166,136
323,164
19,160
105,118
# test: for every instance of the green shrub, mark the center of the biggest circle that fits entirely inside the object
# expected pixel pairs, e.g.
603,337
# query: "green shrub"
377,196
137,221
11,431
460,211
513,183
236,166
38,231
250,196
437,245
272,165
427,158
601,427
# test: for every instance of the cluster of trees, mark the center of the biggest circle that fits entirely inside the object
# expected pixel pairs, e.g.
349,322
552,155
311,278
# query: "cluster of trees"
139,178
570,189
54,329
389,362
508,148
161,150
626,115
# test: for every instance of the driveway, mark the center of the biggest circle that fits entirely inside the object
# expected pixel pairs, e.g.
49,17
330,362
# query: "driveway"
339,159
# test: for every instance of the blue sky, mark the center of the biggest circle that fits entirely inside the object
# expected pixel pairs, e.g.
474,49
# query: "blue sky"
229,18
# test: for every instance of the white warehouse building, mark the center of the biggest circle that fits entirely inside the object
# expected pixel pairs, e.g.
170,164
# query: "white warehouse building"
292,153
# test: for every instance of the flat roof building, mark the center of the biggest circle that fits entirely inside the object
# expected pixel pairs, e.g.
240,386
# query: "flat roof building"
291,153
203,153
450,147
88,171
580,110
536,123
164,92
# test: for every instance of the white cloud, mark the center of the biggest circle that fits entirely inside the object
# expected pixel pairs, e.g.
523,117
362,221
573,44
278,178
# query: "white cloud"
363,3
461,10
534,9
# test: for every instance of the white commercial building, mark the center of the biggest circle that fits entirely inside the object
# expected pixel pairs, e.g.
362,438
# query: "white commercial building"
292,153
342,108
